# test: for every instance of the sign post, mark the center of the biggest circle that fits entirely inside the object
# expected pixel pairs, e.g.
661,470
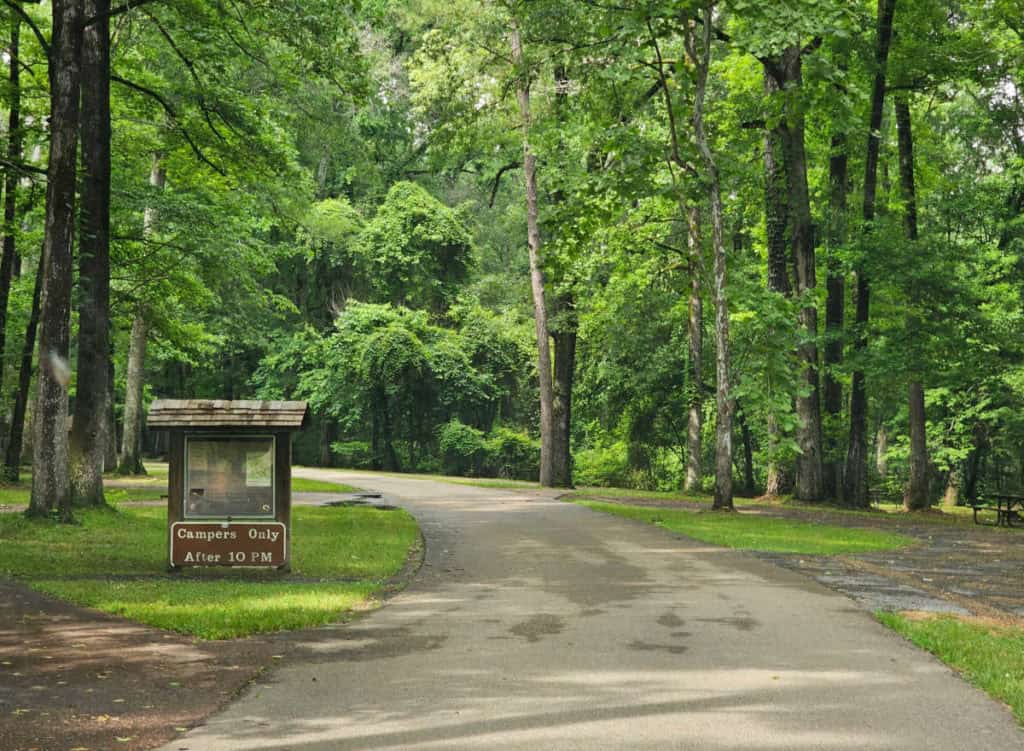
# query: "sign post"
229,480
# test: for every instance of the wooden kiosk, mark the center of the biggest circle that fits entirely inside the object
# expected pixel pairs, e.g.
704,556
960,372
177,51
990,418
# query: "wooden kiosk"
229,480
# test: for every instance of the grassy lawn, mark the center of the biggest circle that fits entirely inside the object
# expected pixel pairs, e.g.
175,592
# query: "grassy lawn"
151,487
485,482
989,656
304,485
351,550
749,532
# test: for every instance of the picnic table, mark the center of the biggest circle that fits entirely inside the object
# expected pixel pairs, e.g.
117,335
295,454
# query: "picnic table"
1009,508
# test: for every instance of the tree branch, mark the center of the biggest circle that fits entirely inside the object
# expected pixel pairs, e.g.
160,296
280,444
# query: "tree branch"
173,115
497,181
31,24
116,11
23,167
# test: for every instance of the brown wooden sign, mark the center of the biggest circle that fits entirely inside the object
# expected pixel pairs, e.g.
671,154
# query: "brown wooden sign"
228,544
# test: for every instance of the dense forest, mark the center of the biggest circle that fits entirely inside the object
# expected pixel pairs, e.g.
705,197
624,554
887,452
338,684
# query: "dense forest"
727,247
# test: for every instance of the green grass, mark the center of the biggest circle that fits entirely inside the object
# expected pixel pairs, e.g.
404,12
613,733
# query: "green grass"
750,532
216,609
485,482
352,551
304,485
121,489
989,656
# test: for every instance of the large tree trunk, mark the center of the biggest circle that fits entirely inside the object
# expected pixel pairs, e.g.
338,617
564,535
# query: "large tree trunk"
855,478
809,484
12,455
130,460
835,306
785,73
916,496
15,135
695,333
540,313
50,483
723,399
776,214
89,427
564,337
839,186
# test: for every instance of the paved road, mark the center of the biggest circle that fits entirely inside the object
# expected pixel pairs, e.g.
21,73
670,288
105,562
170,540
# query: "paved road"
538,624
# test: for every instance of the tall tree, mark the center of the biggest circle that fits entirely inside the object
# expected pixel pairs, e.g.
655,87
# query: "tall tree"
89,427
50,482
916,496
776,217
540,311
835,301
15,439
787,70
855,477
695,340
129,461
15,140
700,56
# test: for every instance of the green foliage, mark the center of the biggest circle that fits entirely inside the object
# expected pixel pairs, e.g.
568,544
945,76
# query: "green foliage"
463,448
513,454
399,384
415,251
503,452
603,466
344,222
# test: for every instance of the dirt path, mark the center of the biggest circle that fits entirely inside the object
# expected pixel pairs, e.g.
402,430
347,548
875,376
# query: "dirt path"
77,679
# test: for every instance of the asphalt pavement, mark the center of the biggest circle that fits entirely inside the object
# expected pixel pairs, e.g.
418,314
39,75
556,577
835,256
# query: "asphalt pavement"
538,624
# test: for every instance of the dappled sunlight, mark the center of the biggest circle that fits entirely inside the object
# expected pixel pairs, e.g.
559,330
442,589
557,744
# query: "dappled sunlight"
540,624
772,709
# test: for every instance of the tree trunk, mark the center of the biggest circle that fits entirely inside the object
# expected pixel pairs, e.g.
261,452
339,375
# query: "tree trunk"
855,478
15,135
130,460
50,482
564,336
882,452
776,215
974,461
88,431
695,332
540,313
327,436
12,456
916,496
809,484
748,454
776,204
110,450
723,399
951,497
835,306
